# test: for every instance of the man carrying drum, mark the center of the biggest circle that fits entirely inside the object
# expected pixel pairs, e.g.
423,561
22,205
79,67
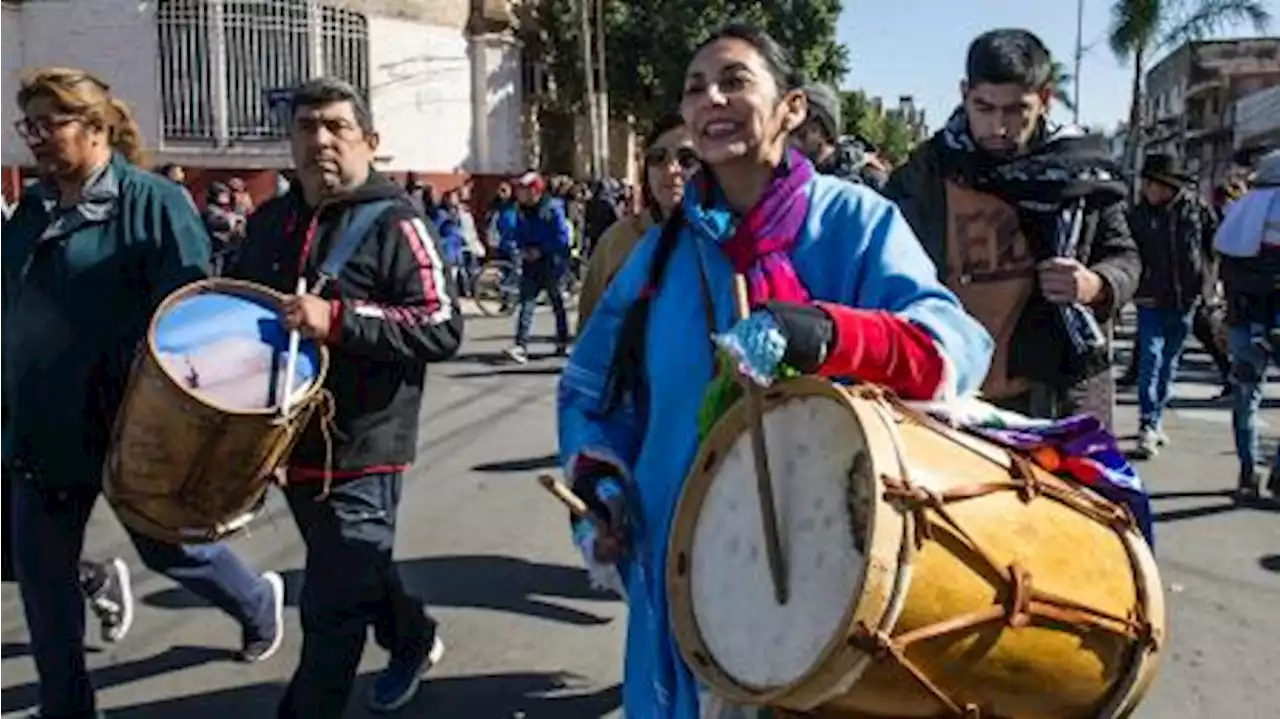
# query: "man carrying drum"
384,316
1026,223
88,255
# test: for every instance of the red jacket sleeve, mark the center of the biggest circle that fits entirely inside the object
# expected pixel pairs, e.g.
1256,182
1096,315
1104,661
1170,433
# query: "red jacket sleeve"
883,348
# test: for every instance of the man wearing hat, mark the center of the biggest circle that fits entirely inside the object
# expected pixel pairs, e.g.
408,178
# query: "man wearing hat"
1173,236
819,138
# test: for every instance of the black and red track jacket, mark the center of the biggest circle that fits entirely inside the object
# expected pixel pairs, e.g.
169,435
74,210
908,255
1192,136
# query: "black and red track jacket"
393,311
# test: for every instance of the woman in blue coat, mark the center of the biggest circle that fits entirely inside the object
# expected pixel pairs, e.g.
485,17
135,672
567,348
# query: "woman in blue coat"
839,285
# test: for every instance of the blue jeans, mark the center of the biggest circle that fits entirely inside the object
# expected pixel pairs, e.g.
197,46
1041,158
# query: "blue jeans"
1162,333
49,528
1248,372
350,582
535,277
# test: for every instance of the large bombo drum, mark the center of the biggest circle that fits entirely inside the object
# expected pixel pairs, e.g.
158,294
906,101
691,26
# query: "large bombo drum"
200,431
931,573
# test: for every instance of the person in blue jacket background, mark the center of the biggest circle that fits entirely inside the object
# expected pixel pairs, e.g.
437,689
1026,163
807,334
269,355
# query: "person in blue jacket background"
542,237
840,288
503,215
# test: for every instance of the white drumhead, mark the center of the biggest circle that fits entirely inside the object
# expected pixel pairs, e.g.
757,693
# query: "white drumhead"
812,443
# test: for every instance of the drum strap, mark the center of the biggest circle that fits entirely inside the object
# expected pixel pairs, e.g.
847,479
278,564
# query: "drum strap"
359,220
708,304
1018,603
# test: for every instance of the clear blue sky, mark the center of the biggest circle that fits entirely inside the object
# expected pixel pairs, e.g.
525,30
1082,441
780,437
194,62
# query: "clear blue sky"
917,47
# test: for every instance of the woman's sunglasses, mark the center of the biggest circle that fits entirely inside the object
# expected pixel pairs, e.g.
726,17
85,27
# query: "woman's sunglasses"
658,156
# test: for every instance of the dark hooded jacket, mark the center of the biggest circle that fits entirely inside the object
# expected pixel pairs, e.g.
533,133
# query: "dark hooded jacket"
1039,343
1176,244
393,311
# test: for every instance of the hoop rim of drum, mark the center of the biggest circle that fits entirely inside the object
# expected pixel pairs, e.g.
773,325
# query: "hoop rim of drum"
240,288
877,601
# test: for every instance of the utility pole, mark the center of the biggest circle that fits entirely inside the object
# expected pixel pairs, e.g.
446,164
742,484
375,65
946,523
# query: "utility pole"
588,71
602,88
1075,110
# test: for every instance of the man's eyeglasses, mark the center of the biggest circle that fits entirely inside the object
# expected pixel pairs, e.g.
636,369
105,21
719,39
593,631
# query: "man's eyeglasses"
657,156
42,128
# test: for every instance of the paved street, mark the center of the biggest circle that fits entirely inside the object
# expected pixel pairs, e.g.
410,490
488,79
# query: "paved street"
489,551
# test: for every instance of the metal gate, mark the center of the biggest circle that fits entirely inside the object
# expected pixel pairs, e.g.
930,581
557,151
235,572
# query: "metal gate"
220,60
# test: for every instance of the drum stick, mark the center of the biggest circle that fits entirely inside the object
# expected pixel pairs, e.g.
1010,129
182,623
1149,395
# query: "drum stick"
760,453
291,361
568,498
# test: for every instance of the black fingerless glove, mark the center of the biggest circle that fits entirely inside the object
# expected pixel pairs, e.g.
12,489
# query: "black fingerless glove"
809,331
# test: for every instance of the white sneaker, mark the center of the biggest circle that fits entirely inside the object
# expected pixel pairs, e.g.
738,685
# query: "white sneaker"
113,604
260,649
1148,443
517,354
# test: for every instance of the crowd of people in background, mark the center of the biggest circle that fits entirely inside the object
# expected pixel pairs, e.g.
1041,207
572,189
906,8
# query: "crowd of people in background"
537,224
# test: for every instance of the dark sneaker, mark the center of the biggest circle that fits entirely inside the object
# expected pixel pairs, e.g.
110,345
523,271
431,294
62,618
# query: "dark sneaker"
258,649
112,604
396,685
1247,484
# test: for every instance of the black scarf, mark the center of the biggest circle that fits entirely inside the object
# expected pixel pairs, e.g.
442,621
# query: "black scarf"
1060,167
1049,186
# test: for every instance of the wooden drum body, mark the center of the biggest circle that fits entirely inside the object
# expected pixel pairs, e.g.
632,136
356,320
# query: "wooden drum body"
200,433
931,573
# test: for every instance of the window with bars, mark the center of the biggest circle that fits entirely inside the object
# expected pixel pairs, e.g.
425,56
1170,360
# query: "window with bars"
227,65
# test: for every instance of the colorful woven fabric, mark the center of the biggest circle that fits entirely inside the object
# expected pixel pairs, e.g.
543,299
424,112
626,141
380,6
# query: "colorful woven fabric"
1089,455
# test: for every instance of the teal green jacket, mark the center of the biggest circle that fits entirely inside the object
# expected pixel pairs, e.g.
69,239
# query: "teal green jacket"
80,286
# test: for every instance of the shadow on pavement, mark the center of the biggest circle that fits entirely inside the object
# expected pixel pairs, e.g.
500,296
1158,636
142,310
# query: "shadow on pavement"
1176,402
505,584
26,696
534,695
1190,495
483,358
527,464
14,649
512,372
1174,515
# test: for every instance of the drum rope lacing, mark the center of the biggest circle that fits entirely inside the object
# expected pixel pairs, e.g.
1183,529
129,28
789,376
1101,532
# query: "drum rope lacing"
1019,603
328,411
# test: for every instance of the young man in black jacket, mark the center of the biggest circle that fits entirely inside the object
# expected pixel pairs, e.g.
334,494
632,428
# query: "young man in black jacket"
1172,234
386,315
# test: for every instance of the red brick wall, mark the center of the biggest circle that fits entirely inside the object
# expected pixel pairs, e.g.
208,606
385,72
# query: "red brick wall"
10,183
261,184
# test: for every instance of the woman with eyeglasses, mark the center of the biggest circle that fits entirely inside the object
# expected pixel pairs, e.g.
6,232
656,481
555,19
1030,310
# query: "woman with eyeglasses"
89,253
839,286
668,160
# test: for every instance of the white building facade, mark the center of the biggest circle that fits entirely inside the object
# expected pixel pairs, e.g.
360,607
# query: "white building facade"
208,79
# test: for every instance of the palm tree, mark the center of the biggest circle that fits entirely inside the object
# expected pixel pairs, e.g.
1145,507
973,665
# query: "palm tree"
1062,80
1141,28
